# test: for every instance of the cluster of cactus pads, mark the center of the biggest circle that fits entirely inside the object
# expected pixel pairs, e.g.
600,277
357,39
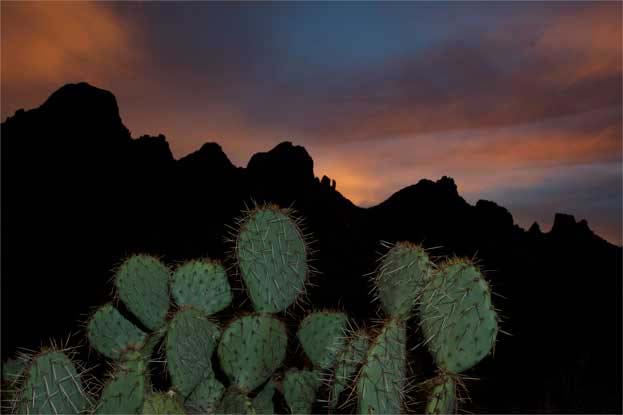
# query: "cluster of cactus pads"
238,366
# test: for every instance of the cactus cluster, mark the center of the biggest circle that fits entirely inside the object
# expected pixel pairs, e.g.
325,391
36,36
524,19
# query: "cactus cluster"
238,365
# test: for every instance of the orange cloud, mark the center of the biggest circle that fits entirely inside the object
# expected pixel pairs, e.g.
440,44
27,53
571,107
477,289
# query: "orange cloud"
590,40
47,44
479,159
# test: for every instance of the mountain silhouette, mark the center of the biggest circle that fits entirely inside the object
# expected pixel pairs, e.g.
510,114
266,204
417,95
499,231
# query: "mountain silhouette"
79,194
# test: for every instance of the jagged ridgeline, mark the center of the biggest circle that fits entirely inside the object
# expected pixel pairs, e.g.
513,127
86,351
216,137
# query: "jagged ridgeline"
243,364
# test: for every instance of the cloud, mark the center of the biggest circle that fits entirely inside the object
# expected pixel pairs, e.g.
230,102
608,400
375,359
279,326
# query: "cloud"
517,69
479,159
47,44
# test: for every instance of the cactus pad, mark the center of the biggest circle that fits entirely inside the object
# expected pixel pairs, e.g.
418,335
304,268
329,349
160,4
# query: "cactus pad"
203,285
112,334
300,388
206,396
322,335
143,285
251,348
272,257
52,386
457,317
443,396
381,380
235,402
263,401
125,392
163,403
348,360
191,340
403,272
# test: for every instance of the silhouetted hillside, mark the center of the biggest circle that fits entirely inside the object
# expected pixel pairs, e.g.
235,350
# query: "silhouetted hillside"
79,194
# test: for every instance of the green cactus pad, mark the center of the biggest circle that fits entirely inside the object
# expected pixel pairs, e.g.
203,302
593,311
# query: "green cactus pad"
203,285
125,391
442,399
13,369
112,334
263,401
322,335
403,272
251,349
381,380
348,360
300,388
272,256
457,317
162,404
235,402
143,285
191,340
206,396
52,386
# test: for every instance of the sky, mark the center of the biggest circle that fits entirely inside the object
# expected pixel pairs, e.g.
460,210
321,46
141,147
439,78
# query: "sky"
520,102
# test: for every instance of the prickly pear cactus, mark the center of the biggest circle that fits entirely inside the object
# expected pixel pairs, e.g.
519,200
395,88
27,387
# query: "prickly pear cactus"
381,380
143,285
112,334
442,399
206,396
190,343
235,402
458,319
299,389
163,404
348,361
251,349
403,273
203,285
272,257
453,303
125,392
322,335
263,401
52,386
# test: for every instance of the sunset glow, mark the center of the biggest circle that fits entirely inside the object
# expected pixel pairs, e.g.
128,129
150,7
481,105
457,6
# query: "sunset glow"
519,102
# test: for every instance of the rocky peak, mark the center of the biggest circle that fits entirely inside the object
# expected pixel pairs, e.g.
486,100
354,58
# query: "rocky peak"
535,229
285,162
82,108
565,224
209,157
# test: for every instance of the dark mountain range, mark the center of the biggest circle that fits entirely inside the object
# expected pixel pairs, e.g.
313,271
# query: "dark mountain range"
79,194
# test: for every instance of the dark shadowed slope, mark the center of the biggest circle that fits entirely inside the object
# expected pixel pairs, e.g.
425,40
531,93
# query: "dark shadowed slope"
79,194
